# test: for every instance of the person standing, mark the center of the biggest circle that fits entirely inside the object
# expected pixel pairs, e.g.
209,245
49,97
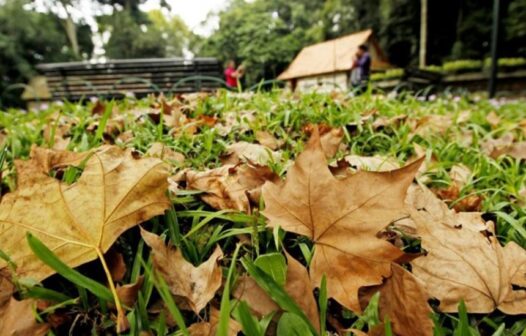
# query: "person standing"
232,75
361,69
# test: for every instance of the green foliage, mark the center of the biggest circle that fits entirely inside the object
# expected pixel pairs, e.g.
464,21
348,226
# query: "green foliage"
130,39
174,34
389,74
462,66
28,38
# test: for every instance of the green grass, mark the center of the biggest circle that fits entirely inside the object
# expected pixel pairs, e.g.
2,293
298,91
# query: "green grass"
196,228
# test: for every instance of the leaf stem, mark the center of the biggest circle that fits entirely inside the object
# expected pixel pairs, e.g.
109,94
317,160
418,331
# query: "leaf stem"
121,318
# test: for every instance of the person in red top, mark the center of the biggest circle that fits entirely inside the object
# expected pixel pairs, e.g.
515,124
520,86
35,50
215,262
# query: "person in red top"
232,75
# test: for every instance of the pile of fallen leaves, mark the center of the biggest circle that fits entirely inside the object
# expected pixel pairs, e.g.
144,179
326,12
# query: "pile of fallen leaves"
166,215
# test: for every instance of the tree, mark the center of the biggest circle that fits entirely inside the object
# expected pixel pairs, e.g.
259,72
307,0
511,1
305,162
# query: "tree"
130,39
28,38
515,25
175,35
265,35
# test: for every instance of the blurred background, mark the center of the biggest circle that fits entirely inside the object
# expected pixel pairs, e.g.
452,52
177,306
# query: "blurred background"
263,35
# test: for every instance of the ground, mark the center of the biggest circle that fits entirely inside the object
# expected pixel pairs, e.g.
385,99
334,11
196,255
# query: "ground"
234,172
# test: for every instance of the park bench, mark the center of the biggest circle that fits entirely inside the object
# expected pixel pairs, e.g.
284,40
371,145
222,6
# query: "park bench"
117,78
418,79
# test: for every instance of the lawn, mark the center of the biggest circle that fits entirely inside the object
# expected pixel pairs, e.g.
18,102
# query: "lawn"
213,214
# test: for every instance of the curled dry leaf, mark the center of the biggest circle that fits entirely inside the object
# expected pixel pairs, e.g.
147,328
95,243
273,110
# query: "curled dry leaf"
433,124
128,293
493,119
236,121
210,328
230,186
116,264
505,146
17,318
382,122
404,301
268,140
161,151
193,286
298,286
342,217
241,152
460,174
465,261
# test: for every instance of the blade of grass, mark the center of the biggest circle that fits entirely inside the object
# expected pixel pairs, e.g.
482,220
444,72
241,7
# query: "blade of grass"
50,259
276,292
224,313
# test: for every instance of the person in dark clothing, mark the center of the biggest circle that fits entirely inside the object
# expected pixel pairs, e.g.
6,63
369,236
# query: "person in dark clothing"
361,69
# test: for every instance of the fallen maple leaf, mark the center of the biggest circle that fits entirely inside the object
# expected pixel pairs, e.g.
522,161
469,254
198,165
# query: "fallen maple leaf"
17,318
231,187
465,261
268,140
194,286
161,151
80,222
210,328
342,217
372,163
493,119
404,301
241,152
42,162
330,138
297,286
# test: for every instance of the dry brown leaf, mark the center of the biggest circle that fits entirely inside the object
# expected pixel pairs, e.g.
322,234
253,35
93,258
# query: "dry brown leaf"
433,125
195,286
161,151
116,264
404,301
382,122
128,293
238,121
229,186
7,288
460,174
241,152
114,193
17,318
497,147
80,222
493,119
342,217
298,286
268,140
372,163
98,108
465,261
257,299
330,138
210,328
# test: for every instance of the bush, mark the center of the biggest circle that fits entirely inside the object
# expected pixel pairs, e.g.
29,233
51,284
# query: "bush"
389,74
462,66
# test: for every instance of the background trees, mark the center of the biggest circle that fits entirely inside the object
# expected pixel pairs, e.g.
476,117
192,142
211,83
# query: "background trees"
263,34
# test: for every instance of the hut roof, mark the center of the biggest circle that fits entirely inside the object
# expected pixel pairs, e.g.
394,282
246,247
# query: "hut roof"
332,56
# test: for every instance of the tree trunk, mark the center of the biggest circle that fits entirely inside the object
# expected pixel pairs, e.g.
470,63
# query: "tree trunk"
423,33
